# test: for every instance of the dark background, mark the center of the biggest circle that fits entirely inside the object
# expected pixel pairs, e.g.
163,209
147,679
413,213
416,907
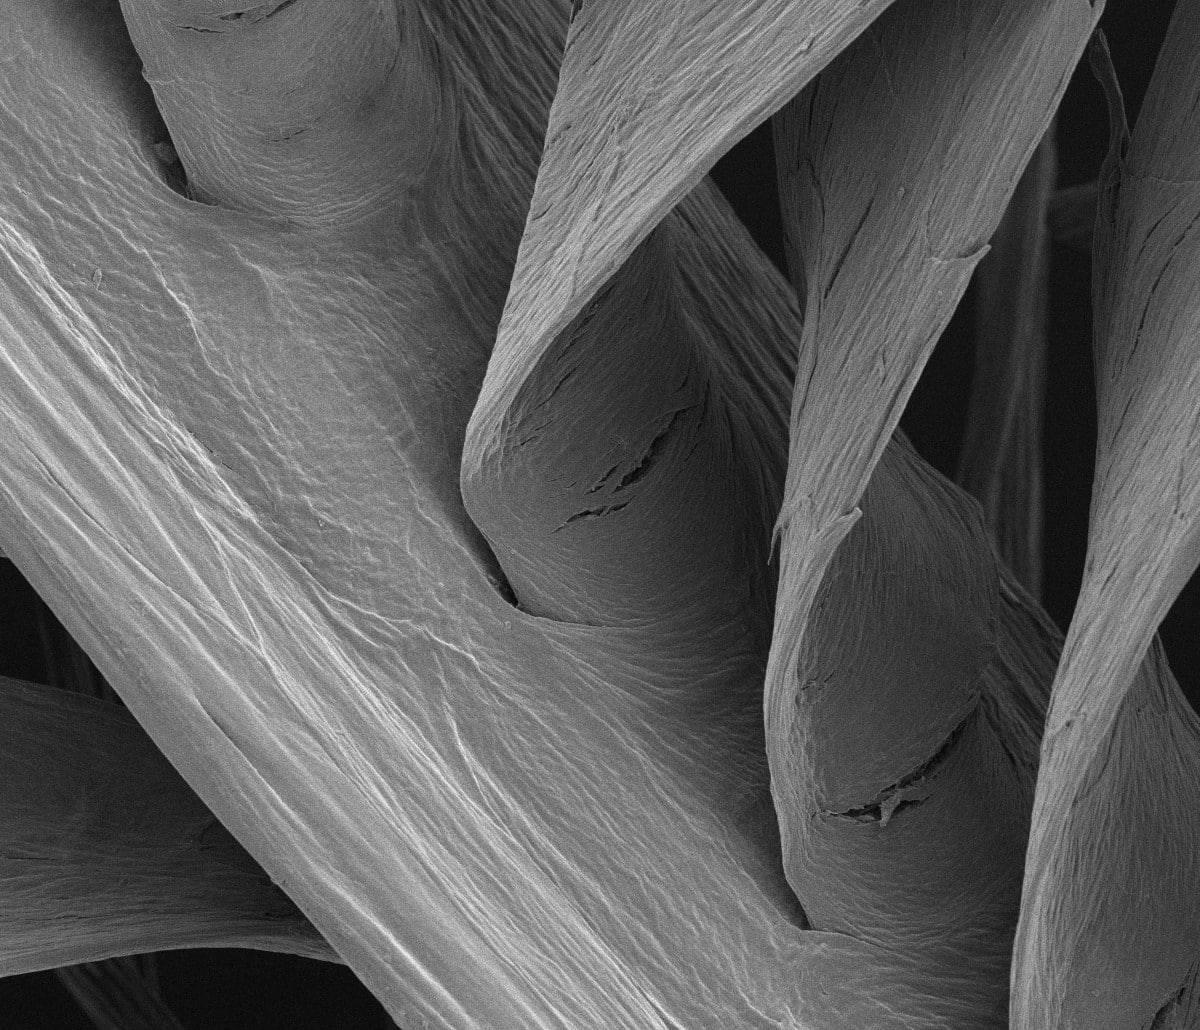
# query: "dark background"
220,990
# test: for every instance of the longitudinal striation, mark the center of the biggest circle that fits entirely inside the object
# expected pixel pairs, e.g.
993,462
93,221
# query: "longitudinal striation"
1110,916
908,672
107,851
238,462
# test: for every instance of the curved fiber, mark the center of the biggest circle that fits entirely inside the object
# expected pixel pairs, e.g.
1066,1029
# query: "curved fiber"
107,851
649,97
232,464
315,111
891,181
1110,919
1000,462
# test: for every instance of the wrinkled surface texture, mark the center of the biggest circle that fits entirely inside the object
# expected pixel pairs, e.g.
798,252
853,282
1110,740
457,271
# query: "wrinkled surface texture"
418,497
